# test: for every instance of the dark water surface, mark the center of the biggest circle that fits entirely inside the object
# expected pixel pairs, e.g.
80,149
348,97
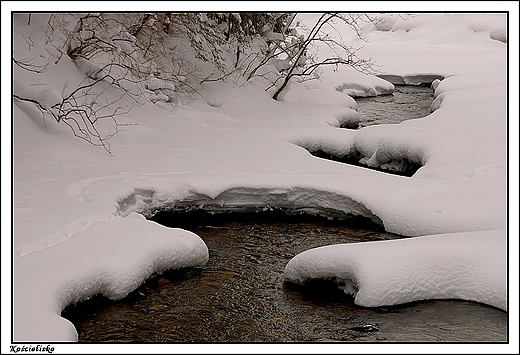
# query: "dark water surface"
240,296
407,102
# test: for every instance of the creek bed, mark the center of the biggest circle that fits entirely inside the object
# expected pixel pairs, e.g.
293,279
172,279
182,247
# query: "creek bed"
407,102
240,295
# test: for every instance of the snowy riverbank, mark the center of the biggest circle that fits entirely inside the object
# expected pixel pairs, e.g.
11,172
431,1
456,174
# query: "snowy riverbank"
77,229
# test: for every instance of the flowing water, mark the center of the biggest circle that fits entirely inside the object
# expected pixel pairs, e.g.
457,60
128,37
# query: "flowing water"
240,295
407,102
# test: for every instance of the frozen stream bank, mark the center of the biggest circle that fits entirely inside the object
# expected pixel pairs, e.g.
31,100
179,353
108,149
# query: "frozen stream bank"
240,296
405,103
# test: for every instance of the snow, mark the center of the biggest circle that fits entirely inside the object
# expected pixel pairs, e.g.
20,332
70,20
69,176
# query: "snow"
359,85
104,260
154,83
77,229
455,265
46,97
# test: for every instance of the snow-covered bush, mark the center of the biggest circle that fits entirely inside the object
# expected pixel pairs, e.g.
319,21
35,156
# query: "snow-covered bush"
165,58
297,51
80,109
128,49
141,56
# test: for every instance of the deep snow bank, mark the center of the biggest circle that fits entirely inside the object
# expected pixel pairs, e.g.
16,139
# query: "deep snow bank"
470,266
355,84
237,151
111,258
292,199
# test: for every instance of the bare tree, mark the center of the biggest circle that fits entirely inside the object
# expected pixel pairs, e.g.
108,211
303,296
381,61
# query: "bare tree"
154,56
293,51
81,109
131,53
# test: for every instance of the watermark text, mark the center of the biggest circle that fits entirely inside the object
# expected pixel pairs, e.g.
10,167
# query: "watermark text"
31,349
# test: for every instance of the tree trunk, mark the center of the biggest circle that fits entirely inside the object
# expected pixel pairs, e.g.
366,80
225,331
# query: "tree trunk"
228,34
280,89
238,55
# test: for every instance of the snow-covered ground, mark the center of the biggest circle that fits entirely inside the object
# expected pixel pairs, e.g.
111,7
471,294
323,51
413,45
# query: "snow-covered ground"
77,230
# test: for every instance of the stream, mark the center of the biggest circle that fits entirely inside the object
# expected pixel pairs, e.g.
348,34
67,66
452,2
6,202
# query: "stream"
240,296
407,102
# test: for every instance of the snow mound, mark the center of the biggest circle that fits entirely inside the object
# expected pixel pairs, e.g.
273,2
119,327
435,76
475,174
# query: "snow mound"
411,79
355,84
348,118
159,90
46,97
337,143
290,199
400,150
364,90
495,25
131,250
469,266
394,152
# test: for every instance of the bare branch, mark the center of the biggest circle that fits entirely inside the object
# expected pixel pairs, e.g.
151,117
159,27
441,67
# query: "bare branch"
28,64
302,66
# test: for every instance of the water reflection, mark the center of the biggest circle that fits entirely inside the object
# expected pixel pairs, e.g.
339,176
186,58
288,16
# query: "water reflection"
240,296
